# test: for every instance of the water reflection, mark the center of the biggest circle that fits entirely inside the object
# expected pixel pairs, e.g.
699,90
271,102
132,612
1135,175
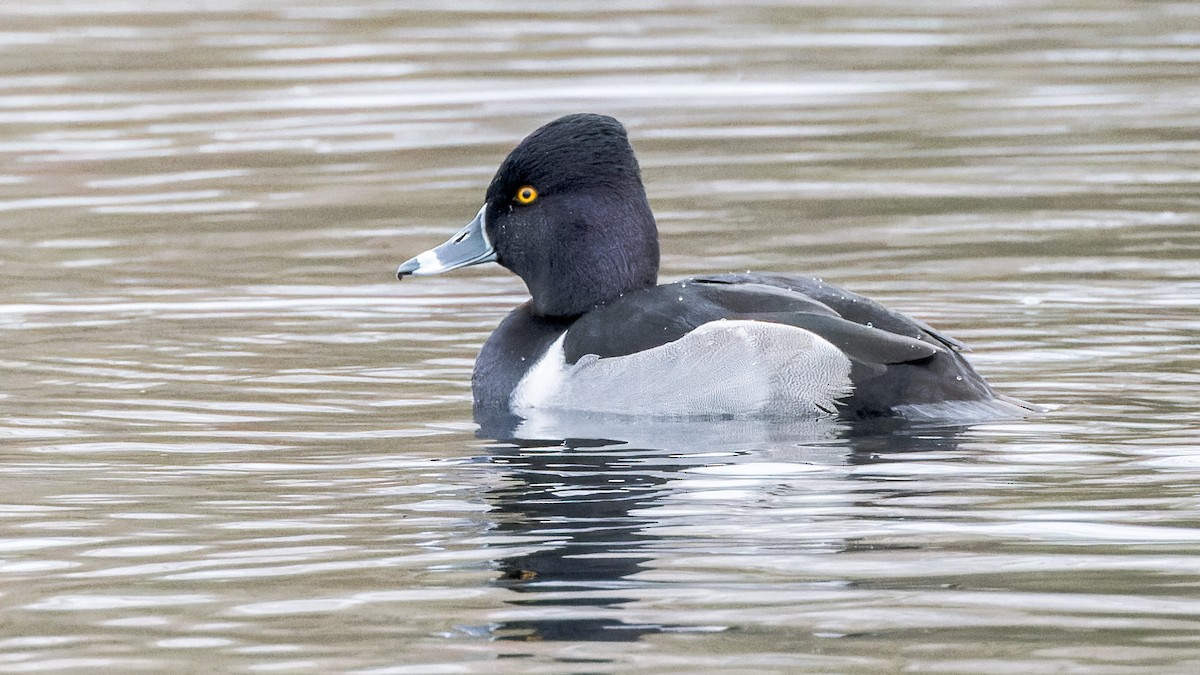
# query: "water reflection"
597,508
665,434
202,345
577,499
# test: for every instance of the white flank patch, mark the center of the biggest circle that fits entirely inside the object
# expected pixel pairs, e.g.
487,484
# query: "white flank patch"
544,379
730,367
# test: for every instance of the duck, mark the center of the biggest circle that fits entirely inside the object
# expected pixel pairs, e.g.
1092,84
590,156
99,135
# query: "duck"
567,213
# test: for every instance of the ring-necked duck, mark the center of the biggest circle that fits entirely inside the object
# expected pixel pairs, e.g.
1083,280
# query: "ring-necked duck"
567,213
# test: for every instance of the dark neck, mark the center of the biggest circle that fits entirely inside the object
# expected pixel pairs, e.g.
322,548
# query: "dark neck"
602,260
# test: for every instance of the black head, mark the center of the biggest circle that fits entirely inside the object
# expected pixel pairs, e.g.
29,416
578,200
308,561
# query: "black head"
567,213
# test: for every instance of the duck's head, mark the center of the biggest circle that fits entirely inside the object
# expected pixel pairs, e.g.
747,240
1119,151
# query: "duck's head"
567,213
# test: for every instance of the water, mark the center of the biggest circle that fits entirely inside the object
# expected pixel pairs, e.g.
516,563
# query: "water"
232,442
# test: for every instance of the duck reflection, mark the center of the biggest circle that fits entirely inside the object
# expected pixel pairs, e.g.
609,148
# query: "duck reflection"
579,498
588,491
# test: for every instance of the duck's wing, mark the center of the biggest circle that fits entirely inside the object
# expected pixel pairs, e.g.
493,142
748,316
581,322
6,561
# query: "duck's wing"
850,306
656,316
860,343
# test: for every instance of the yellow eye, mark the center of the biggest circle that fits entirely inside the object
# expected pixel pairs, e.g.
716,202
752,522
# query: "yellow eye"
526,195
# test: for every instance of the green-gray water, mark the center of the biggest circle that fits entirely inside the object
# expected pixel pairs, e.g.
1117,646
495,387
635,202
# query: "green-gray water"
231,441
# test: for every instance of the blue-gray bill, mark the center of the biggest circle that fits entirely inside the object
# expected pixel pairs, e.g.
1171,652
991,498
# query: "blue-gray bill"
469,247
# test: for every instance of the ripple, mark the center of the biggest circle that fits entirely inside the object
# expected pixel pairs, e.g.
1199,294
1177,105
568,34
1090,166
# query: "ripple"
89,602
232,439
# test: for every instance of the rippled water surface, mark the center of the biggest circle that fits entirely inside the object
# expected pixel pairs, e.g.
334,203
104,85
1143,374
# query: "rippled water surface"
231,441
